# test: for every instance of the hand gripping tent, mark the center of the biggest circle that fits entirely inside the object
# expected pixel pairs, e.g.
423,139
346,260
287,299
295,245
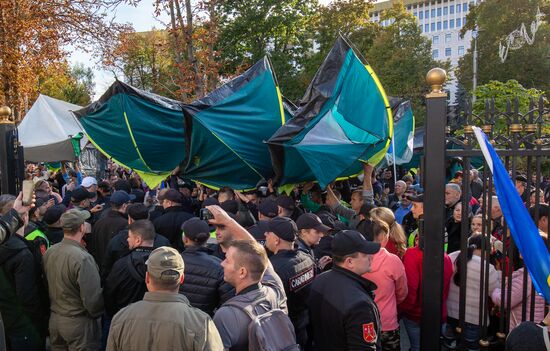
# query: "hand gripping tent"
136,129
343,119
226,130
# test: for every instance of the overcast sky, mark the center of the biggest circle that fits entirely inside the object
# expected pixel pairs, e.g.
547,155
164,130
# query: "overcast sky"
142,18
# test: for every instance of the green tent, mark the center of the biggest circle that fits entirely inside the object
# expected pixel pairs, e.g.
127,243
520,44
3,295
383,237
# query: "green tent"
138,130
343,119
226,130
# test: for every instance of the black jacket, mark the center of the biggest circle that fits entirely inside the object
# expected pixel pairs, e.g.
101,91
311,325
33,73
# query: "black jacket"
118,248
203,284
343,313
169,225
126,282
23,298
55,235
258,231
102,232
156,213
296,270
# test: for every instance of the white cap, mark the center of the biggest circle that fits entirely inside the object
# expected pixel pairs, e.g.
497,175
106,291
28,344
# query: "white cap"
88,182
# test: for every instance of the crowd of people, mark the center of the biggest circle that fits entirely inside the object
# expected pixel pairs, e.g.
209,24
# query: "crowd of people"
116,265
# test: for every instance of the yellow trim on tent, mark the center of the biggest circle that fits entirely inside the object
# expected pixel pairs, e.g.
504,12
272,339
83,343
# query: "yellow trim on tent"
279,97
375,159
151,179
134,141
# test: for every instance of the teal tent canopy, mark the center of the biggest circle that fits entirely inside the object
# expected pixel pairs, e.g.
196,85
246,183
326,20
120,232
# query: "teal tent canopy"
343,119
138,130
226,130
403,133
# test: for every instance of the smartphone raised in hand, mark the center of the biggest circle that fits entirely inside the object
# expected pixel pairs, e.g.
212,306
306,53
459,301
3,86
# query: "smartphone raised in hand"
28,190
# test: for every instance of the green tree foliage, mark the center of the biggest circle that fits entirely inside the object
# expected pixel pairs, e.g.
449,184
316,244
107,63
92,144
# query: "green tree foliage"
72,84
401,57
282,29
495,19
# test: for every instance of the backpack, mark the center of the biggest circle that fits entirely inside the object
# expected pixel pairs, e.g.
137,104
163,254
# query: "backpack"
269,331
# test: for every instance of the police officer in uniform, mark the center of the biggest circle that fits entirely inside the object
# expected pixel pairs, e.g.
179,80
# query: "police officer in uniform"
296,270
341,302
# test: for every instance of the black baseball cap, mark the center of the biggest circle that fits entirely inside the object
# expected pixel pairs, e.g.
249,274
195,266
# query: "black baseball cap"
196,230
311,221
268,208
347,242
230,206
81,194
174,196
286,202
284,228
416,198
120,197
521,178
53,214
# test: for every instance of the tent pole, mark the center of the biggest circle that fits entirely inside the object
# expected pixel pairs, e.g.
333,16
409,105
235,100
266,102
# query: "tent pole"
394,163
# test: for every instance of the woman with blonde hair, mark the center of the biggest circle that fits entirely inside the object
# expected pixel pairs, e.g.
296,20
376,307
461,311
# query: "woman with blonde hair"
397,243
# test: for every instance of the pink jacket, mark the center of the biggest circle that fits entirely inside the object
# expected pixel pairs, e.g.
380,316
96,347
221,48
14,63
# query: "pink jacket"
517,299
388,273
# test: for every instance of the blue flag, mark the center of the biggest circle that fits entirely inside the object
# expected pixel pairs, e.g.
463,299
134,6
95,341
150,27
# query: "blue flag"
524,232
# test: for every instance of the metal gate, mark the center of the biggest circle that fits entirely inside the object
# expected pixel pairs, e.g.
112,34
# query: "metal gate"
521,139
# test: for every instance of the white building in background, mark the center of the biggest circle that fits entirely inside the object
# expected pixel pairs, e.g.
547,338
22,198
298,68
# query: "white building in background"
441,22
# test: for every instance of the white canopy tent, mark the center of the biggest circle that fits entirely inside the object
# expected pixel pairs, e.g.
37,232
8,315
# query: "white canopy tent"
47,130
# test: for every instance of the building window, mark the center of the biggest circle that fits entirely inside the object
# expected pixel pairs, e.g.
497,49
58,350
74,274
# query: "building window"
433,27
463,21
435,53
433,13
458,8
451,24
435,39
461,50
426,28
447,52
421,15
445,24
445,11
426,14
438,11
415,14
448,37
458,22
452,9
464,7
438,25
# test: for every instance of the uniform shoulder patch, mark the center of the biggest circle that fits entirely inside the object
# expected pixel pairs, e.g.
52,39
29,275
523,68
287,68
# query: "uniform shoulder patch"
369,333
301,279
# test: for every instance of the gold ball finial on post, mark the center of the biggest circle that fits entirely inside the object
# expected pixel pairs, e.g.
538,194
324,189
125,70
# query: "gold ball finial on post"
436,77
5,113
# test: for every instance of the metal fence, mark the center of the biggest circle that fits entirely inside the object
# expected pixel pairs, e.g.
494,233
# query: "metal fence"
521,139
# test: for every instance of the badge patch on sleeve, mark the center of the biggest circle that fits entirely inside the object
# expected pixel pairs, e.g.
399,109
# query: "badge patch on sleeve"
369,333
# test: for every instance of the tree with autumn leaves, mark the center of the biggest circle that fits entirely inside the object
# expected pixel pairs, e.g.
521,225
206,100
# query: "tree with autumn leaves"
35,34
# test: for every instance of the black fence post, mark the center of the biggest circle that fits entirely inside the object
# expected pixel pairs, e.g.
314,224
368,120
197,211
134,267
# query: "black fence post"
7,181
434,210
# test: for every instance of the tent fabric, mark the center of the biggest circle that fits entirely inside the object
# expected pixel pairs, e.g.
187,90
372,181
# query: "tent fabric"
403,133
343,119
227,129
47,131
138,130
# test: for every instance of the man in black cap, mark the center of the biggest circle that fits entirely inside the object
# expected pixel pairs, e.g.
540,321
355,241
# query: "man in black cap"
417,211
310,231
267,210
341,302
107,227
52,218
287,207
296,270
169,224
521,187
204,285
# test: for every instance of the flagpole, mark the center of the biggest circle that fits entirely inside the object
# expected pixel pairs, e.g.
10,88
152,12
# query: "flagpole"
393,155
